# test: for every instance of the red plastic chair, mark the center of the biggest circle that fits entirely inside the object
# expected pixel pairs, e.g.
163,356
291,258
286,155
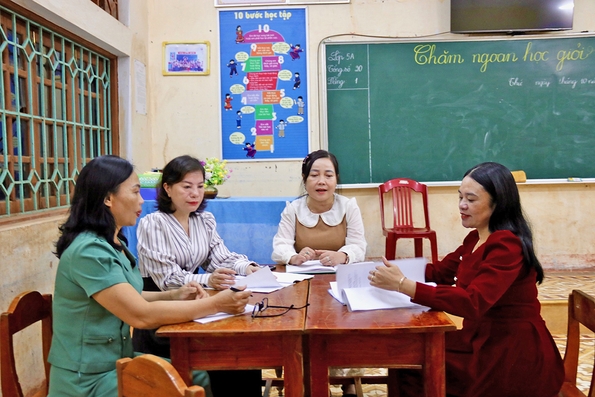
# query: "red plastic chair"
402,226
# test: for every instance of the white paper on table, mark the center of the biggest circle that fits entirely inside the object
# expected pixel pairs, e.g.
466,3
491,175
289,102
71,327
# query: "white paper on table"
221,315
283,279
356,274
372,298
262,280
353,287
310,267
334,291
287,279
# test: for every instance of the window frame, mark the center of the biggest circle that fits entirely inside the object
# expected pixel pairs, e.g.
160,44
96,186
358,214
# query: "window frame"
53,200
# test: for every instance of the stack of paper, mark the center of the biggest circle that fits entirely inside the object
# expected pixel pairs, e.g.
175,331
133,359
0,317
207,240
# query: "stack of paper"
353,288
266,281
222,315
310,267
261,281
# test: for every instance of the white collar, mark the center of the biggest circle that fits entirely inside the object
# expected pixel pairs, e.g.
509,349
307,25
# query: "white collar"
332,217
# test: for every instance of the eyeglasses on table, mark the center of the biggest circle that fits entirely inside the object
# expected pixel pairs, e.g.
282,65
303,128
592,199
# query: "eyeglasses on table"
261,306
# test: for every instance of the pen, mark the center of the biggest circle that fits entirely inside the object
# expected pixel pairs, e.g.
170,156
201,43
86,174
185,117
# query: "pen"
234,289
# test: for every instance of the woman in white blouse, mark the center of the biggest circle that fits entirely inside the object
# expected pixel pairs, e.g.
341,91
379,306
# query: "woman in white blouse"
321,225
176,242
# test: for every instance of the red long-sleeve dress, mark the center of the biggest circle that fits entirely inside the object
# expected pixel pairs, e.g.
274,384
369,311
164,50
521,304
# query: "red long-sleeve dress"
504,348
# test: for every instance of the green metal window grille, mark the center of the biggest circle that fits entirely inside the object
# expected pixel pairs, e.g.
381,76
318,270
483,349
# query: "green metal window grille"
55,114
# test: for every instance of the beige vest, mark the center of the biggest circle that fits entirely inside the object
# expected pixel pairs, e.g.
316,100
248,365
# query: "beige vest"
321,236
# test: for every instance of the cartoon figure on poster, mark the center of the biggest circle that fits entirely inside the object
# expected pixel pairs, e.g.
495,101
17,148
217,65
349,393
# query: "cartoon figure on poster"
295,51
239,34
250,151
255,52
281,128
233,68
297,81
300,105
239,119
227,101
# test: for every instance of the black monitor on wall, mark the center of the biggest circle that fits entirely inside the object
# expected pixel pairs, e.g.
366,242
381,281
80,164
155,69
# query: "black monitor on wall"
510,16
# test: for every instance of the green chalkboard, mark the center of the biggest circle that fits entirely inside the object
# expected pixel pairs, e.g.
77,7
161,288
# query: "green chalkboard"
430,110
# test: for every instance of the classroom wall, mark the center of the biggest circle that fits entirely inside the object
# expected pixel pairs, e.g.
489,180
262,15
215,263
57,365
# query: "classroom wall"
26,247
185,113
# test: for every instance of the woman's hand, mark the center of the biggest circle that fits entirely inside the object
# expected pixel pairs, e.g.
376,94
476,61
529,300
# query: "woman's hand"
386,277
222,278
306,254
331,258
190,291
232,302
252,268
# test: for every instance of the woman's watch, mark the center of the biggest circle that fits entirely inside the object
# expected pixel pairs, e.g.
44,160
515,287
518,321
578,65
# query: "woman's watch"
346,258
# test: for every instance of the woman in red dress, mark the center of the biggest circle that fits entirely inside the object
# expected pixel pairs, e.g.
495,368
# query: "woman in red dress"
504,348
239,34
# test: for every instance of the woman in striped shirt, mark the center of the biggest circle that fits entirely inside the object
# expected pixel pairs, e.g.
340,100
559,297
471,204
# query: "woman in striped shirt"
176,242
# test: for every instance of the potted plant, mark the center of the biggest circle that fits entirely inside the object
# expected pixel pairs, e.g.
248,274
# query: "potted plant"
216,173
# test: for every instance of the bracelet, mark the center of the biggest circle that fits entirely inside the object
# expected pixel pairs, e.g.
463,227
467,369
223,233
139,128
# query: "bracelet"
401,283
346,258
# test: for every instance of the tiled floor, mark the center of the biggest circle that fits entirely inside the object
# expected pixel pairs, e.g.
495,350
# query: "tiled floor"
556,286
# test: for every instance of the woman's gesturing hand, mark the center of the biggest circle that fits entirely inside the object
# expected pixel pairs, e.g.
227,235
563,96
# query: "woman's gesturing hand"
306,254
222,278
331,258
386,277
232,302
190,291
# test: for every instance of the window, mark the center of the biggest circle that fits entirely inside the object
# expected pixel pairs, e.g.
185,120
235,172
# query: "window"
56,113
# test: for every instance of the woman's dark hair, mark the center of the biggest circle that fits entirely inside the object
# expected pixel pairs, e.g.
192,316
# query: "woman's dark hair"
312,157
498,181
101,177
174,172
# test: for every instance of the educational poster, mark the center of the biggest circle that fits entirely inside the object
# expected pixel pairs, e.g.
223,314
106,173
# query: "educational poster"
264,101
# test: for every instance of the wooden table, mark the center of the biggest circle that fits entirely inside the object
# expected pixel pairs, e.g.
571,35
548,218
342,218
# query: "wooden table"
396,338
244,343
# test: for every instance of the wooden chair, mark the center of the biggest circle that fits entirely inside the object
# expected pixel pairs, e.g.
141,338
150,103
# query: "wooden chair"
149,375
402,226
581,310
25,310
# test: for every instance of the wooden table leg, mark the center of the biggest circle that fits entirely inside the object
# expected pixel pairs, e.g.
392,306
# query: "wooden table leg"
392,386
180,358
319,385
434,370
306,361
293,366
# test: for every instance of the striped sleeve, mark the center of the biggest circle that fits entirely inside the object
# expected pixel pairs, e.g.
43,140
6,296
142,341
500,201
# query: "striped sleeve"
164,252
171,257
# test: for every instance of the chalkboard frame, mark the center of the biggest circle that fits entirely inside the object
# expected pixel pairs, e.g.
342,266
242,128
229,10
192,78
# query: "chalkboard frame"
447,38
